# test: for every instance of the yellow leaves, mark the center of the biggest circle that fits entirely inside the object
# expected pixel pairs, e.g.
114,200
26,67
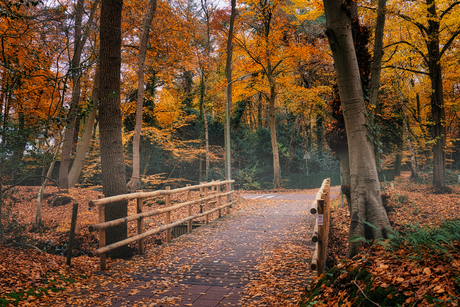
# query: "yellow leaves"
305,9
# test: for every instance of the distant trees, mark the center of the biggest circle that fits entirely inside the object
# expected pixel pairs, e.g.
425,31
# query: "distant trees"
171,128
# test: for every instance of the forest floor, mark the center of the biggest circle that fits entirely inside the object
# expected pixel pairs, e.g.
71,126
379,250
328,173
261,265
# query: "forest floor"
423,269
33,268
418,266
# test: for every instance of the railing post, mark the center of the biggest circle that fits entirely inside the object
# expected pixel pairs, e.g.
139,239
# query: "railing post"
189,210
321,235
229,199
218,198
140,224
102,257
206,205
168,215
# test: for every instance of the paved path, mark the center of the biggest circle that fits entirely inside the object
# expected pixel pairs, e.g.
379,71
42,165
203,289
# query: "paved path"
214,265
306,197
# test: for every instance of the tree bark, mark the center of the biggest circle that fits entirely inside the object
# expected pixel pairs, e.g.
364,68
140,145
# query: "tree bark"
75,70
376,67
77,164
228,73
437,98
276,158
407,134
133,184
76,81
344,159
366,201
413,164
110,125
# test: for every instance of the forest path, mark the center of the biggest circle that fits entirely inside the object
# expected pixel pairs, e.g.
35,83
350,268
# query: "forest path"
256,256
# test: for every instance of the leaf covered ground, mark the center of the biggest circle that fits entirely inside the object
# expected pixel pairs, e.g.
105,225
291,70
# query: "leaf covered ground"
33,269
419,266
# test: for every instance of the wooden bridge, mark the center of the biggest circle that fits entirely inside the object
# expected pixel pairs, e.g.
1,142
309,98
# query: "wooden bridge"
259,255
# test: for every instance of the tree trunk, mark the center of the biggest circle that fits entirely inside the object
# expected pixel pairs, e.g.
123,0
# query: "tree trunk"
276,158
228,73
38,215
133,184
366,200
77,164
344,159
75,70
110,125
376,68
407,134
437,100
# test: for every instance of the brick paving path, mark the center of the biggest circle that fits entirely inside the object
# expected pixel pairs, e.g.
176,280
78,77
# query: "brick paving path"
212,265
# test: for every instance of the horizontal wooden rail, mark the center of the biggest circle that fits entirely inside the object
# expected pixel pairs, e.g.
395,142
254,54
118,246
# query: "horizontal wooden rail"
151,213
209,196
112,199
132,239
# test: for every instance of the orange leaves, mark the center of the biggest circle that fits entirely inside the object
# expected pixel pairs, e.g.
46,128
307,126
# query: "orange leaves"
404,276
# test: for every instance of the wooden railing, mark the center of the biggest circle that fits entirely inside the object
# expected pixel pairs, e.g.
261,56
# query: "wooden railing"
321,206
210,194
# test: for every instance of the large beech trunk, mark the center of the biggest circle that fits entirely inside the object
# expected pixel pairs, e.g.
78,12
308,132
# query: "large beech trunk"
366,200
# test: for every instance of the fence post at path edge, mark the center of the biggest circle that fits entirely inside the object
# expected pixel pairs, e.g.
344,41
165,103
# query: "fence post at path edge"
102,257
140,224
168,215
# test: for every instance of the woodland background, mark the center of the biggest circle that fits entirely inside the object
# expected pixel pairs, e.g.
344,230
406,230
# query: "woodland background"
49,55
49,52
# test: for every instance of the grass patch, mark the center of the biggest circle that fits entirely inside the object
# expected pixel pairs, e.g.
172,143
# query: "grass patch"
53,284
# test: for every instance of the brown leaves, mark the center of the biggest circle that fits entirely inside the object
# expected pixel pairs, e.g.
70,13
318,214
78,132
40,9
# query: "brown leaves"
406,276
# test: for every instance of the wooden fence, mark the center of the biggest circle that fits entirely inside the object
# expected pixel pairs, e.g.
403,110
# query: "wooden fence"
321,206
210,195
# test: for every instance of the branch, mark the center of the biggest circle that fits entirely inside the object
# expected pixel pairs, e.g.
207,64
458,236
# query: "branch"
447,10
413,47
407,69
391,56
449,42
354,281
421,27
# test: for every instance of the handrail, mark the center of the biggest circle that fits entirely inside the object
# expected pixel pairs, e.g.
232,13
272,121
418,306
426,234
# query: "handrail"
134,217
321,206
212,196
112,199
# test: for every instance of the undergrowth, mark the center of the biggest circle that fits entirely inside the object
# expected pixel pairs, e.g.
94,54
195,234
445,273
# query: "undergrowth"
351,281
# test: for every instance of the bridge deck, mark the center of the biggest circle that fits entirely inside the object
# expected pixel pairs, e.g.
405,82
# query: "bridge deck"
215,265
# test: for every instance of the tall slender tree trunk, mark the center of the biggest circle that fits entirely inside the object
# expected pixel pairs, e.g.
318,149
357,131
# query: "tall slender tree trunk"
366,200
413,164
110,125
133,184
228,74
407,134
276,157
437,99
76,81
75,70
376,68
82,149
41,192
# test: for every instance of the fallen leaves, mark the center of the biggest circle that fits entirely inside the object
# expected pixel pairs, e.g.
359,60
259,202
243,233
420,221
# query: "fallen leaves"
403,276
